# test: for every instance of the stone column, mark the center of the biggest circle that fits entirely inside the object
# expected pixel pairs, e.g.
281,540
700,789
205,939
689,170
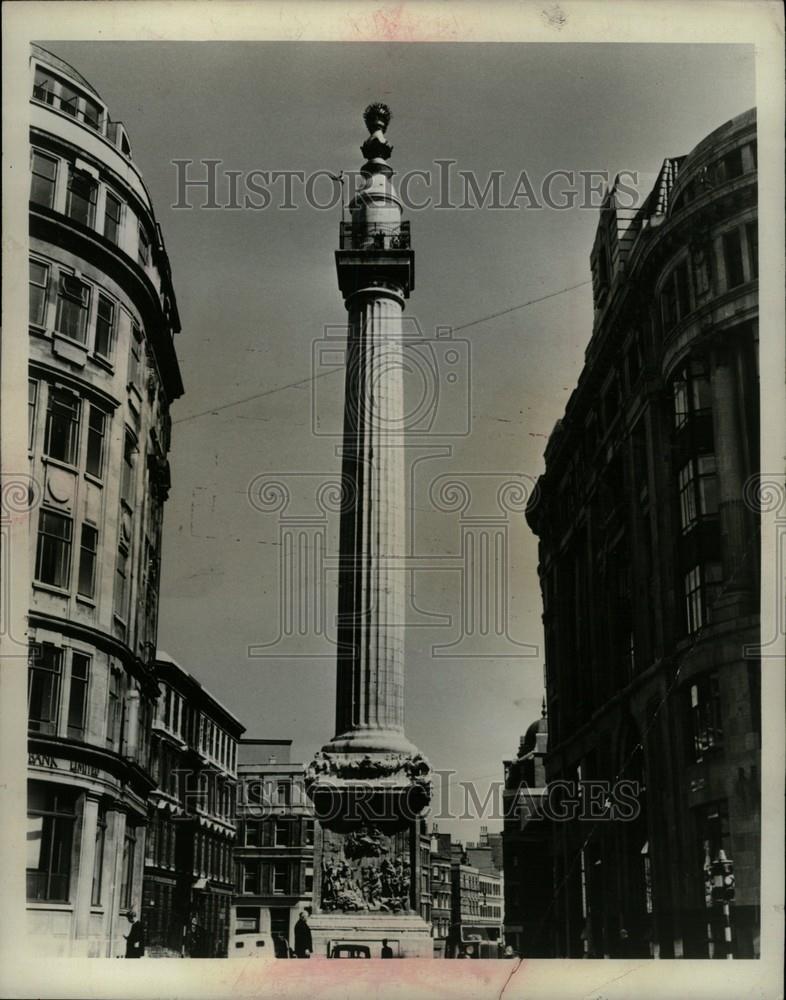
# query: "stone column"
84,878
370,681
369,784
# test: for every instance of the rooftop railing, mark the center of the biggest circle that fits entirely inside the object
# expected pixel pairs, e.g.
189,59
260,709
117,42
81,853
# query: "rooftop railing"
374,236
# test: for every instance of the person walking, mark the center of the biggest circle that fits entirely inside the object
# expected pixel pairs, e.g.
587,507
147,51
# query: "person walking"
135,939
303,943
387,951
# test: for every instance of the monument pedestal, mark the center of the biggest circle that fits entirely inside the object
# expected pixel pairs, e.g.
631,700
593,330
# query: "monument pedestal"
407,934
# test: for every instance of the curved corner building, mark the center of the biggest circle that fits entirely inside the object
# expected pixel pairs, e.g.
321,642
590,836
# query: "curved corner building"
103,373
649,568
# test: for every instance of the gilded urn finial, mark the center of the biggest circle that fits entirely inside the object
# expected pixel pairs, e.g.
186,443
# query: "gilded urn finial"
377,118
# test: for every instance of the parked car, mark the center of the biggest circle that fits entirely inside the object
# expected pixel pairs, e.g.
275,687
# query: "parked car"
346,950
252,946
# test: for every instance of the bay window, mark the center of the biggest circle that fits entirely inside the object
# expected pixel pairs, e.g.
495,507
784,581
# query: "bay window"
39,283
88,551
73,303
50,828
77,696
96,440
105,327
44,675
53,551
705,715
42,188
61,439
112,214
81,196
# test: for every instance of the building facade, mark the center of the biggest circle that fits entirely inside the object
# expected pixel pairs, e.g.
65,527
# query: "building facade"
274,855
189,870
649,568
103,373
526,847
441,893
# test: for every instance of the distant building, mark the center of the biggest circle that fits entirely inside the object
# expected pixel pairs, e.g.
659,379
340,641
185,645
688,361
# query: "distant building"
527,848
441,892
274,856
189,872
649,568
103,373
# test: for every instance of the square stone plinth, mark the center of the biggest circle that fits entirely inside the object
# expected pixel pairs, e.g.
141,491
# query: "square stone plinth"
407,935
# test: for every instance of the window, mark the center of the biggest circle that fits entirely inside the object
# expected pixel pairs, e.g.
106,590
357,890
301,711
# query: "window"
105,327
129,856
73,302
309,832
98,860
113,710
705,713
752,236
127,475
247,920
77,696
39,281
253,834
96,437
282,833
280,877
732,257
32,400
122,582
249,878
135,357
702,585
144,247
50,827
42,188
675,297
91,113
698,489
283,793
112,215
88,549
43,689
692,393
309,880
81,196
53,553
62,426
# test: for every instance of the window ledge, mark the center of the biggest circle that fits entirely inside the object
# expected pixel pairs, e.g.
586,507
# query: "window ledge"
50,588
94,480
87,601
60,464
103,362
40,904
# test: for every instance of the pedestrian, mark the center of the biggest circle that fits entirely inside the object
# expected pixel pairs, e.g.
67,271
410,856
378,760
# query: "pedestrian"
387,951
135,939
280,946
303,943
509,952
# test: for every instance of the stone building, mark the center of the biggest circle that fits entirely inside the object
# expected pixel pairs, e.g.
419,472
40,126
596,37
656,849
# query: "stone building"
189,869
274,855
649,567
102,374
526,846
441,892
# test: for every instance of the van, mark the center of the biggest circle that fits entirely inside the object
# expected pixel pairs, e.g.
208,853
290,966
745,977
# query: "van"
252,946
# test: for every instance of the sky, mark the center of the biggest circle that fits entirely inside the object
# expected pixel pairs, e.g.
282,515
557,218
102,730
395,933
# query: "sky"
257,290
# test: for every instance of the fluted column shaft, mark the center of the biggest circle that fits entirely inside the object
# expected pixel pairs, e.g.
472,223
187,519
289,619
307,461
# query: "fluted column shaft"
370,695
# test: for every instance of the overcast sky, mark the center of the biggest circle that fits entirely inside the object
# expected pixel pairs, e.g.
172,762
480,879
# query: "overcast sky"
257,288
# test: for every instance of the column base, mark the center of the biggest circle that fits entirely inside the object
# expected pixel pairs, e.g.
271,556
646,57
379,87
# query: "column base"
408,935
